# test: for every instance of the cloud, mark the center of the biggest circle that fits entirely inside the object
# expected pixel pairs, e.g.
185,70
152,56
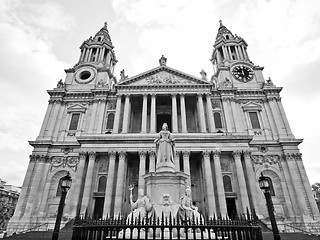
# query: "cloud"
28,67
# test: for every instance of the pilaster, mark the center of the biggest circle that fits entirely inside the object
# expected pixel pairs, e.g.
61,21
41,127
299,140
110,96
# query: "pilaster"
142,169
120,183
209,184
186,166
109,187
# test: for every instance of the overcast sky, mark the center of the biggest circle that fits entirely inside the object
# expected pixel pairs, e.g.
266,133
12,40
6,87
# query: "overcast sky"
39,39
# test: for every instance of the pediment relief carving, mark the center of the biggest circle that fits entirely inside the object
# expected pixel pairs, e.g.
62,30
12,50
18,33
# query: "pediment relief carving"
163,77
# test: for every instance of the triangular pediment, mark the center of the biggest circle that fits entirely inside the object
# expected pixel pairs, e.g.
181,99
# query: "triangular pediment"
77,108
162,75
252,106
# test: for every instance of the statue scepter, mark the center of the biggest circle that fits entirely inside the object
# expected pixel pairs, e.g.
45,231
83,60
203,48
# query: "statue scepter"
131,187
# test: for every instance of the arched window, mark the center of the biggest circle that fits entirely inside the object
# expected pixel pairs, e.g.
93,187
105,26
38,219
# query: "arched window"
227,183
227,37
272,193
110,121
102,184
59,189
217,120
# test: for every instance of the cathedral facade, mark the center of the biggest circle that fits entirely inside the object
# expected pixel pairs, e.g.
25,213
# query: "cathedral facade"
228,129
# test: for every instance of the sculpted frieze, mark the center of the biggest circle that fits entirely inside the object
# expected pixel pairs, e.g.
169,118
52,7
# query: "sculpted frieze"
265,159
70,162
166,78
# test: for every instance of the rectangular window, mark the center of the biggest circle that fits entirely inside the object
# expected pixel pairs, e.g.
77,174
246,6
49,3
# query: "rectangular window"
254,120
74,121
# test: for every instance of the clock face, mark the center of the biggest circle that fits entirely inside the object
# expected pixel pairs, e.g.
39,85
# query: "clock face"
242,73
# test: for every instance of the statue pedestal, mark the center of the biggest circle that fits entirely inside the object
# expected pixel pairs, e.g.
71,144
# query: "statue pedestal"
165,182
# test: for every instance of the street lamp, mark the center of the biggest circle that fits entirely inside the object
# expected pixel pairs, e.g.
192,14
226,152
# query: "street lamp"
264,185
65,186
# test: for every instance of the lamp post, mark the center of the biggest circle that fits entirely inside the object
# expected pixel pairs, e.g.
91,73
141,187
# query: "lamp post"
264,185
65,186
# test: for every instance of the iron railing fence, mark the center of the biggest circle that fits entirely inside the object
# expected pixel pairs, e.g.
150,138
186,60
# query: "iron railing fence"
240,228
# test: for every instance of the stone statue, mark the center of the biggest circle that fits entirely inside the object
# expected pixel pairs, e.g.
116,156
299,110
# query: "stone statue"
163,61
123,75
141,208
60,84
165,145
187,209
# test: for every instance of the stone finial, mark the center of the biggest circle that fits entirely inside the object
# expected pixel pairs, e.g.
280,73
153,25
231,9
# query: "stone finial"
203,75
220,21
105,25
122,75
163,61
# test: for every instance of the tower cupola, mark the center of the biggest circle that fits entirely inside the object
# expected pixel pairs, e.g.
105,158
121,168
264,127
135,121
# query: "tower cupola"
98,50
228,48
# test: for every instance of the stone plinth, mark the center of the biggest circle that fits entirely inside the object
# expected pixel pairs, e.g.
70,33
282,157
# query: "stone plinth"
165,182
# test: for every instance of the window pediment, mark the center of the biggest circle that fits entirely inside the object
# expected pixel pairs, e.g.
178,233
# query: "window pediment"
252,106
77,108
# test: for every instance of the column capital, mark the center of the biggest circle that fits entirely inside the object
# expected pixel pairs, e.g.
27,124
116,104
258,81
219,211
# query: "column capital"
182,94
82,155
177,153
142,154
92,155
152,154
186,153
216,153
236,153
153,95
173,94
199,94
206,154
127,95
247,153
122,155
145,95
112,154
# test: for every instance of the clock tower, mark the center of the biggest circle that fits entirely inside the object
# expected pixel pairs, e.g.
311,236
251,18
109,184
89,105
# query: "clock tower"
231,62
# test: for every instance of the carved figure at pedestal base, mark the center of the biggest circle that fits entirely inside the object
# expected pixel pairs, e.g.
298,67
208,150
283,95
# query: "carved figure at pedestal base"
141,209
187,211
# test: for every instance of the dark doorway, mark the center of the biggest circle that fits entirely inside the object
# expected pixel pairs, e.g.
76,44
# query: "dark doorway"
231,207
161,119
98,207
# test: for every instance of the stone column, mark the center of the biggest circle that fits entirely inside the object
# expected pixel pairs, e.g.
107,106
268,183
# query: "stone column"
126,115
34,184
274,130
226,55
209,184
240,52
93,115
53,117
101,114
297,184
75,198
236,117
244,53
153,120
102,54
201,114
177,161
25,190
144,114
142,169
306,185
186,166
109,186
284,117
229,51
88,184
242,182
120,183
183,113
227,112
117,116
219,181
174,113
45,121
277,116
210,114
255,195
152,161
237,53
90,54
